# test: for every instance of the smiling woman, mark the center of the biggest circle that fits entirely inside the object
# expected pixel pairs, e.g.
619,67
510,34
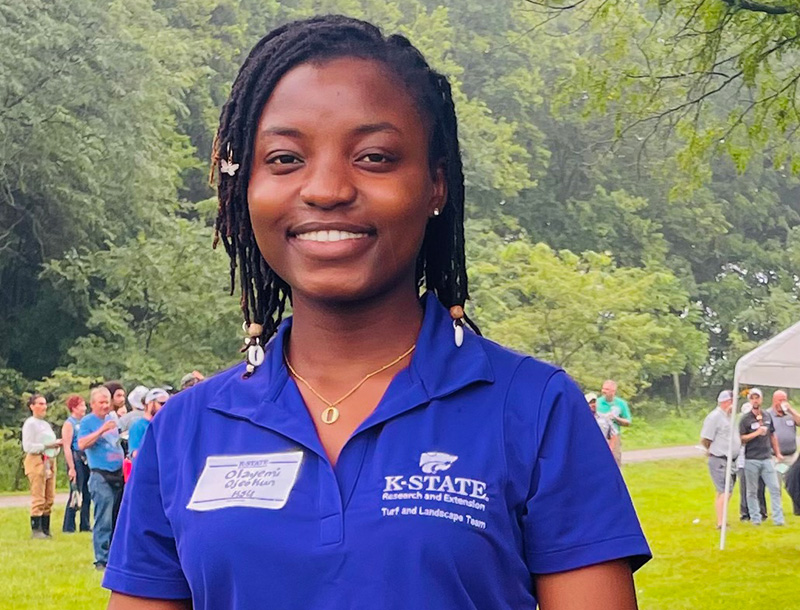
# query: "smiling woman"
373,454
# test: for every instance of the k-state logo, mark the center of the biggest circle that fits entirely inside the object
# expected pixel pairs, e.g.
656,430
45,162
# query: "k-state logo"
432,462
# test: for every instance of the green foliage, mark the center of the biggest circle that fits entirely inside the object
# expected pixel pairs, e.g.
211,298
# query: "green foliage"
13,408
12,477
140,300
583,312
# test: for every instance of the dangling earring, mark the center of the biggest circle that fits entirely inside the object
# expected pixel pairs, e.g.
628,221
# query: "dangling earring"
227,166
252,345
457,313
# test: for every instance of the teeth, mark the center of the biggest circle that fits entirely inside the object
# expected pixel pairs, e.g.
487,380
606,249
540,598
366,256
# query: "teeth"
329,235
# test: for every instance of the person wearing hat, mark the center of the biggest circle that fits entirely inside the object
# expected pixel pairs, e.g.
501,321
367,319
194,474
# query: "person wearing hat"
154,400
136,400
190,379
757,432
604,422
744,514
715,436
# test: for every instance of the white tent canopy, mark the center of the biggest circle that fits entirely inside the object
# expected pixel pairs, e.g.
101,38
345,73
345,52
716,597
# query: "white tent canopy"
774,363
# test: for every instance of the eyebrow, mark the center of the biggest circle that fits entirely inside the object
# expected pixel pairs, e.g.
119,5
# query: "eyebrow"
293,132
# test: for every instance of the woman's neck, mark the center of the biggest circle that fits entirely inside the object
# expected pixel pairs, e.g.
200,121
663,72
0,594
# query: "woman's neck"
353,338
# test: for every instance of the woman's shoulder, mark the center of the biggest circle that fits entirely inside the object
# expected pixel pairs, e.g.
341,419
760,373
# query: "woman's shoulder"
519,369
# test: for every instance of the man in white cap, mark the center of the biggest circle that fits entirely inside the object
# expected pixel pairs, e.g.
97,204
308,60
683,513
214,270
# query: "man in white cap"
136,400
757,432
154,400
603,421
716,437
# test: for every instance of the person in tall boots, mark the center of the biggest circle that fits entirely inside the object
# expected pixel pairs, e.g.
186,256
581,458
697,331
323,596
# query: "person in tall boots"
41,447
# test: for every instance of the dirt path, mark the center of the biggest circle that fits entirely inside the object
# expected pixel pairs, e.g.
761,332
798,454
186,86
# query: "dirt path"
662,453
628,457
20,501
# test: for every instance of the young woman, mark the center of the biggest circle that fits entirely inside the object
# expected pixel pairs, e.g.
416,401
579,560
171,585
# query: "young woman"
377,456
41,447
77,468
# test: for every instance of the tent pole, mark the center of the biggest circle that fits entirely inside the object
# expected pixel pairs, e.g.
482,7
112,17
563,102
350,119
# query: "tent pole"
728,489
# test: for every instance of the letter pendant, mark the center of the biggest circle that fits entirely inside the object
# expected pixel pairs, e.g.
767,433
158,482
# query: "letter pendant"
330,415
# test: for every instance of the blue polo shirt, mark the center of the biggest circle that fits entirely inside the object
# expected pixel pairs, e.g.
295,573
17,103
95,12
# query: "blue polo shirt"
478,468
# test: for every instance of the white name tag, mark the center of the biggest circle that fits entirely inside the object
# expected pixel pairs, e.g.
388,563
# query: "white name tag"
790,422
258,481
755,425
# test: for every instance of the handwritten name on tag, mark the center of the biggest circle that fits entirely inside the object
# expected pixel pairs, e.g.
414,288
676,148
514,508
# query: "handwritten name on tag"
257,481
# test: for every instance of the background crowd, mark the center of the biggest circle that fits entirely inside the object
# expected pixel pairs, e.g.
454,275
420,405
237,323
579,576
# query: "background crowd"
100,443
764,449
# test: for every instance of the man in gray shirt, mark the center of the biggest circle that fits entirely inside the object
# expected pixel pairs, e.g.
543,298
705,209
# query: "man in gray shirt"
716,438
785,420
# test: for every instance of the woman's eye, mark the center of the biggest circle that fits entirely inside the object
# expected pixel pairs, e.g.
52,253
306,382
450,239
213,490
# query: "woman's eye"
283,159
376,158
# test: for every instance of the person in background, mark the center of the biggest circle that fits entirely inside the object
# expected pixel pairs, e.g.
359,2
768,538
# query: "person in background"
618,410
744,514
99,438
155,400
757,432
77,468
118,406
190,379
603,421
41,446
716,438
136,401
786,419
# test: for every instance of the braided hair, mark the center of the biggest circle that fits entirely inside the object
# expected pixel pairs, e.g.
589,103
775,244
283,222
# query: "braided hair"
441,264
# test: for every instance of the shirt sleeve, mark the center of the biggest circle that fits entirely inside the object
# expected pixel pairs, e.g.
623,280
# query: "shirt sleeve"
743,423
578,511
30,438
143,560
626,410
708,431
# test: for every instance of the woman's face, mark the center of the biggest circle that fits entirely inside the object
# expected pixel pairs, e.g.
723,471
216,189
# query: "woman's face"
80,410
118,399
39,407
340,189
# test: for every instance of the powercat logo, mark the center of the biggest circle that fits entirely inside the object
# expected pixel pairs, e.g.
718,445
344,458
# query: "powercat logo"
432,462
432,485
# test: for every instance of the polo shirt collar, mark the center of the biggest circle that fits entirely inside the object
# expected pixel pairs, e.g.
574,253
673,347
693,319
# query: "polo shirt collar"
270,398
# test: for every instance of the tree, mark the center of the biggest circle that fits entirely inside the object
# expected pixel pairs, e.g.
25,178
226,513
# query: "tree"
583,312
156,307
717,75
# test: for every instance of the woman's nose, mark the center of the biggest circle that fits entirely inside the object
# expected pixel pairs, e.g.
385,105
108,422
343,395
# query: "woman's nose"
328,184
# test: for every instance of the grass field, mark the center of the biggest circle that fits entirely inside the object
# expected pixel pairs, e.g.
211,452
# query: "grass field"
688,571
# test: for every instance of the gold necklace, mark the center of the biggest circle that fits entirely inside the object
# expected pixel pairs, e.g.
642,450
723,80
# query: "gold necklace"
331,414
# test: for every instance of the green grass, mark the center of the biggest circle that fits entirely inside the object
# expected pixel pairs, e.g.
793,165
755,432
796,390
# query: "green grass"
38,574
688,572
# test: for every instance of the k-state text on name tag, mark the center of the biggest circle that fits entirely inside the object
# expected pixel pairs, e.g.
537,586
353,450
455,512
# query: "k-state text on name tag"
257,481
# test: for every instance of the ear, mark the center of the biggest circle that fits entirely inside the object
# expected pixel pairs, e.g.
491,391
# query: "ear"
439,195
